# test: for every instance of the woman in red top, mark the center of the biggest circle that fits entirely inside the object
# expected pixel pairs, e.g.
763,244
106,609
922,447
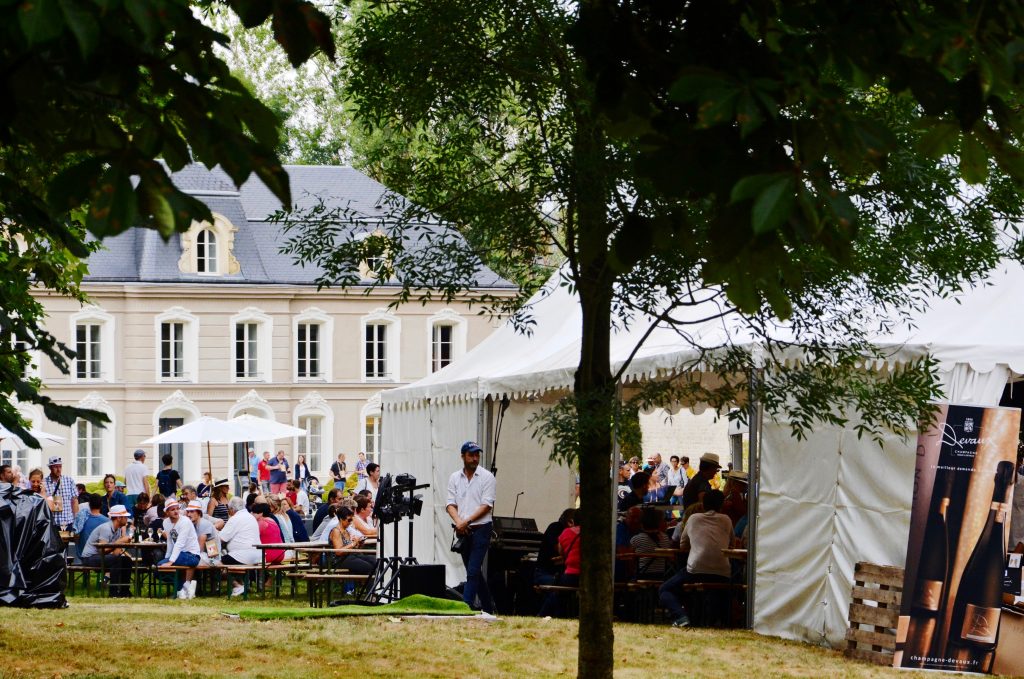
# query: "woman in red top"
569,550
270,532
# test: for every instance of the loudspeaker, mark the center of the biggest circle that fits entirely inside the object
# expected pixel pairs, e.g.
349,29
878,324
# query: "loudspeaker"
427,579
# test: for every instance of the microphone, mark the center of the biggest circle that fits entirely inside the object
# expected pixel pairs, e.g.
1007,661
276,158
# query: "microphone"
517,503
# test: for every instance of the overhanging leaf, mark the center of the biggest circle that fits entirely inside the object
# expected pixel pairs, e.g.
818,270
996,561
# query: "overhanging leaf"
773,205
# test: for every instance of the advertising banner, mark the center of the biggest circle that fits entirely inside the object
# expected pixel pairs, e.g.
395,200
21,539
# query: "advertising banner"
956,556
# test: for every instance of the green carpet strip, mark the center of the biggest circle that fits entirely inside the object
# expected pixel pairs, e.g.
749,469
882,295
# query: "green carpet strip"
417,604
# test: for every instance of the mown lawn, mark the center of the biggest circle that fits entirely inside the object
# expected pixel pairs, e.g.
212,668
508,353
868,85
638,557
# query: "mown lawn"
166,638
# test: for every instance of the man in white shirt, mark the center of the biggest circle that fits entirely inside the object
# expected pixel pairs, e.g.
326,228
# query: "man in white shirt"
182,546
471,493
135,478
704,536
240,535
206,534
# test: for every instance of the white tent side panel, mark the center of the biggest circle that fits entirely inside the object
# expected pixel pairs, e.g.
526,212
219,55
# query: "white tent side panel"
425,440
825,503
524,465
402,431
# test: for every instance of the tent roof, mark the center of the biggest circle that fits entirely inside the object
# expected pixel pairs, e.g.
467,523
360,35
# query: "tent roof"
977,327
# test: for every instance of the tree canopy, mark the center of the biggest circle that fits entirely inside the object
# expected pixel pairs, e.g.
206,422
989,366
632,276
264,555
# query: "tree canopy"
803,163
96,94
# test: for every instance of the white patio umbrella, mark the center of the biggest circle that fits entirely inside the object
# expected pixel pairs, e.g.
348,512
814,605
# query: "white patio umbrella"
263,429
45,440
206,430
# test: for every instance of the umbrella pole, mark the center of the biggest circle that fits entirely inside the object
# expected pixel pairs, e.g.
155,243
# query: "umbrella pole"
209,460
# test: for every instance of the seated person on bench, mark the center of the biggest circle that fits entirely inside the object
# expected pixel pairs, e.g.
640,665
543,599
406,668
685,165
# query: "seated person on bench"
650,538
345,541
706,534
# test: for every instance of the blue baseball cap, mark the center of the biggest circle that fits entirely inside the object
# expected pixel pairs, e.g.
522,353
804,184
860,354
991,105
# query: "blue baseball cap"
470,447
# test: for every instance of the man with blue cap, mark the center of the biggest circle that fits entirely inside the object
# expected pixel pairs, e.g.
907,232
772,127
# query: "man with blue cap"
471,493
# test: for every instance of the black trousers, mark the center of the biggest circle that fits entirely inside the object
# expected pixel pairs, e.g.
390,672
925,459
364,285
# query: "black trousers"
120,568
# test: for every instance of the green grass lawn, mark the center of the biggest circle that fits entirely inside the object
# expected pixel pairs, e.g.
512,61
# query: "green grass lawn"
168,638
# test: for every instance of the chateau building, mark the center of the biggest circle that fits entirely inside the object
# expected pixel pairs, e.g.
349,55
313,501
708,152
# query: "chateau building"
217,321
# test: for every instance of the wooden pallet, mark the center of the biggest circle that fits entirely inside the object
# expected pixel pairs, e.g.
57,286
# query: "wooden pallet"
874,612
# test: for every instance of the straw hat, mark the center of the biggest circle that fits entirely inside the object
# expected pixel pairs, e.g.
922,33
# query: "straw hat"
711,458
171,503
737,475
118,511
195,506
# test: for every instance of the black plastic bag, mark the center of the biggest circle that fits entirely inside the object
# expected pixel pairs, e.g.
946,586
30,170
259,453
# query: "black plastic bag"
33,570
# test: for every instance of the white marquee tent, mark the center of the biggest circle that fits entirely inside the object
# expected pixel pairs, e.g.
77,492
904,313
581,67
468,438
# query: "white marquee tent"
823,504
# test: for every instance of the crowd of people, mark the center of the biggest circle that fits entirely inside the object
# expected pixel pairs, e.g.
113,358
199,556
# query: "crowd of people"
203,524
665,508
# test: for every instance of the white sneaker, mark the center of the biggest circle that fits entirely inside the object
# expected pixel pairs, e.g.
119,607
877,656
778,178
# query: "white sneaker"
238,590
183,592
191,585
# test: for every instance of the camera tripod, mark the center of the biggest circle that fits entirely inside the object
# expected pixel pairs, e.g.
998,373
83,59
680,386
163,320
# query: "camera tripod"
384,580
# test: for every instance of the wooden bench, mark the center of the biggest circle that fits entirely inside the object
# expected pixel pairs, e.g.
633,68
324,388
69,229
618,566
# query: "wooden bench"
566,592
318,585
84,573
244,572
711,603
874,613
202,573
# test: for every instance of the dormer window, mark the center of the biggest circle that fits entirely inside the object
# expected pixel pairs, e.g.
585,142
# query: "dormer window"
207,248
206,252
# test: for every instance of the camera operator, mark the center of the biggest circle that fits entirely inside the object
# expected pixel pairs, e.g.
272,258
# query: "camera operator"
471,493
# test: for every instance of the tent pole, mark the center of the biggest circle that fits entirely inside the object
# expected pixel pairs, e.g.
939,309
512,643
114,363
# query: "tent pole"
753,489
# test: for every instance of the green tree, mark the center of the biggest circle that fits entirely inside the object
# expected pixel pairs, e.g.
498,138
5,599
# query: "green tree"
94,92
788,168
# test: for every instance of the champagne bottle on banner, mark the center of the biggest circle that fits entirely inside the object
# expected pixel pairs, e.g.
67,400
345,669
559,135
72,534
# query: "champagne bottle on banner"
975,621
932,577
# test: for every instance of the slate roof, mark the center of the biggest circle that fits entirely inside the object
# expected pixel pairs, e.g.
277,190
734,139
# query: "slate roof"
141,255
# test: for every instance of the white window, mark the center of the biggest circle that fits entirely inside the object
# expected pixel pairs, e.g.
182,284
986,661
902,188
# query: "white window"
89,449
313,332
251,331
207,248
31,368
172,350
177,346
88,363
376,347
206,252
14,456
311,445
371,437
380,343
446,339
92,336
247,350
307,350
441,346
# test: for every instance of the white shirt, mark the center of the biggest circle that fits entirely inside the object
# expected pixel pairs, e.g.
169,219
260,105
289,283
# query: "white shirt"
706,535
467,495
302,500
181,537
676,477
239,535
323,531
135,477
364,484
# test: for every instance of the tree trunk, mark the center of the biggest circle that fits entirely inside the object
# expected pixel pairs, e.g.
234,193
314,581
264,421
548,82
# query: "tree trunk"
595,393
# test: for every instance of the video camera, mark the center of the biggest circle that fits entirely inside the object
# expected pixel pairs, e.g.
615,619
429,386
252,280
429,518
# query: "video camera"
395,499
